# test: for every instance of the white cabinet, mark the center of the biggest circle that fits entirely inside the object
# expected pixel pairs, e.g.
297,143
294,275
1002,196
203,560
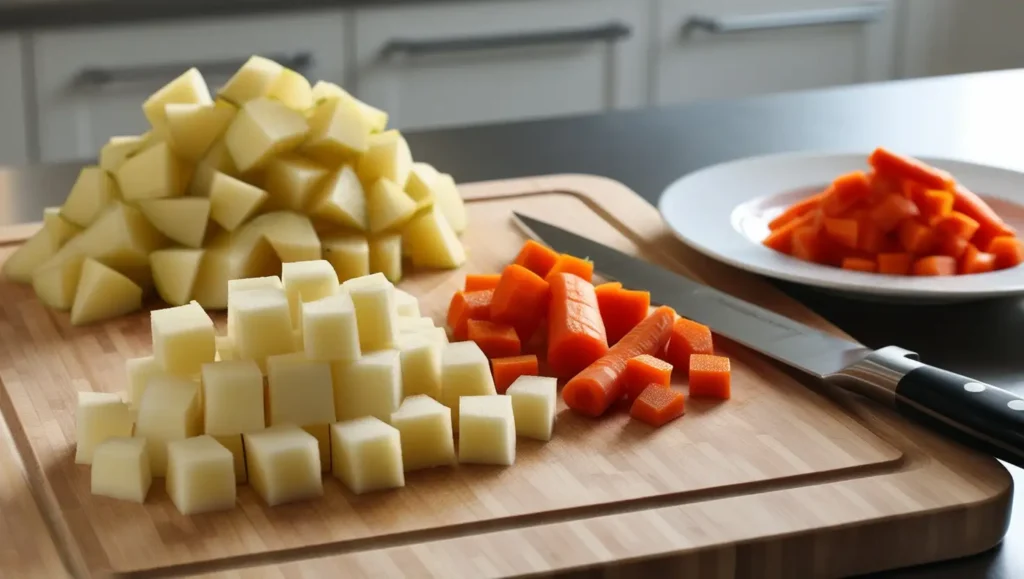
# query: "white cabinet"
445,64
733,48
958,36
13,130
91,81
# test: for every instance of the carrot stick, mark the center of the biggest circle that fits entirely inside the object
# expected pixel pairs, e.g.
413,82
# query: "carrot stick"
507,370
795,210
574,265
496,340
891,164
519,300
481,281
536,258
599,385
781,239
1008,251
990,224
576,334
658,406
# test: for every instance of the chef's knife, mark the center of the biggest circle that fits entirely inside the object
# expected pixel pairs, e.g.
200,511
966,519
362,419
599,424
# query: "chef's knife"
981,415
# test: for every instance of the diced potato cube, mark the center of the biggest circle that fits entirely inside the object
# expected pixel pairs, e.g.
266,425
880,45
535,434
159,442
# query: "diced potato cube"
226,349
432,242
421,365
370,386
58,228
367,455
153,173
187,88
465,371
348,254
183,339
283,463
375,118
233,201
182,220
92,192
170,410
118,149
437,334
291,181
342,200
374,299
305,281
337,131
533,404
300,391
425,426
216,160
421,183
232,398
120,469
290,234
386,256
387,157
194,127
255,79
271,282
200,475
121,238
487,430
103,293
56,280
447,197
174,273
409,325
262,130
262,324
139,372
234,444
99,416
407,305
387,206
329,330
292,89
24,262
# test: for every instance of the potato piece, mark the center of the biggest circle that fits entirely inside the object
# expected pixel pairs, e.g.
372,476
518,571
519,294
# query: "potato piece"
103,293
247,283
182,220
253,80
170,410
233,442
200,475
245,253
386,256
226,350
120,469
290,234
122,237
421,183
367,455
139,371
425,426
283,464
306,281
262,324
348,254
388,157
98,417
262,130
183,339
407,305
153,173
292,89
59,229
487,430
92,192
337,131
299,391
290,181
447,197
421,365
432,242
233,201
188,88
465,371
370,386
387,206
193,128
118,149
375,118
534,401
174,273
329,330
216,160
55,281
376,315
24,262
342,200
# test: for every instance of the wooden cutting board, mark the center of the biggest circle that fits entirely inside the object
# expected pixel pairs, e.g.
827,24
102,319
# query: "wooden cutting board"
784,480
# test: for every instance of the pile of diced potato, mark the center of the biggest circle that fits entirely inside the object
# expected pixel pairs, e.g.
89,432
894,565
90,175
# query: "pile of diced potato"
312,376
223,187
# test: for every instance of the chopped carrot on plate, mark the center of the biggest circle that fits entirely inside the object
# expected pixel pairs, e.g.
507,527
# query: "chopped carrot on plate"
800,208
860,264
576,334
643,371
710,377
895,263
935,265
495,340
1007,250
506,370
975,261
658,405
886,162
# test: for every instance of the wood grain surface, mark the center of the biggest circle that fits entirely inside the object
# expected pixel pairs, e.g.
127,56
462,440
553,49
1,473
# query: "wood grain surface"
784,480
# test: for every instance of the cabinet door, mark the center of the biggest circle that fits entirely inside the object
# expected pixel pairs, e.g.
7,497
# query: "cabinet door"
92,81
445,64
735,48
13,132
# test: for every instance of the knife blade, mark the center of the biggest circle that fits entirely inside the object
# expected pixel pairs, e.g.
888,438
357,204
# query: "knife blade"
988,418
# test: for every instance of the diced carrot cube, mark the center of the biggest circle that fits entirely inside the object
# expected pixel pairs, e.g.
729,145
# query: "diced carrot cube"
687,338
536,257
466,306
574,265
895,263
643,371
891,211
781,239
935,265
710,377
808,246
844,192
842,231
974,261
935,203
495,340
951,245
621,309
507,370
801,207
1008,251
915,237
520,300
658,405
958,225
860,264
481,281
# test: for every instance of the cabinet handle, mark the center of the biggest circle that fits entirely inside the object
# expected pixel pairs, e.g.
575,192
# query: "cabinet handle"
611,32
94,78
860,14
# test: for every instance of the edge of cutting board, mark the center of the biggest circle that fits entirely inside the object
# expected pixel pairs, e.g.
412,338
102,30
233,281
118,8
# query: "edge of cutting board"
939,502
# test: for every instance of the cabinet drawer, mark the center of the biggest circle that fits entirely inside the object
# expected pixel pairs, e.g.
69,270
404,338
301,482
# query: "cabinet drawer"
448,64
734,48
13,132
91,82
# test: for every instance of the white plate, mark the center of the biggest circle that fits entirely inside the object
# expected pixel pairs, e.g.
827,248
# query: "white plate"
723,212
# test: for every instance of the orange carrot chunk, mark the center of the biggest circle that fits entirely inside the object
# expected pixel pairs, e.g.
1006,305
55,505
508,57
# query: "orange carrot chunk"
915,237
642,371
935,203
886,162
536,257
1007,250
990,224
782,238
860,264
951,245
495,340
710,377
507,370
974,261
957,224
891,211
935,265
576,334
481,281
599,385
574,265
895,263
808,245
688,338
658,406
845,192
842,231
466,306
802,207
621,309
520,300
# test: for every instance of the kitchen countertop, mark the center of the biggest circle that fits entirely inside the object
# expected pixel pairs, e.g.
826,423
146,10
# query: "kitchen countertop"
972,117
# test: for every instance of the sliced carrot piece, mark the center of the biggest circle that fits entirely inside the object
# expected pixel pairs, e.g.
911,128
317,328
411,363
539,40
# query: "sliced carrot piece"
860,264
496,340
842,231
782,238
536,257
621,309
957,224
643,371
466,306
951,245
710,377
882,185
935,265
913,191
891,211
1008,251
507,370
801,207
657,406
915,237
808,246
576,334
570,264
845,192
935,203
870,238
688,338
481,281
989,223
886,162
599,385
520,300
975,261
895,263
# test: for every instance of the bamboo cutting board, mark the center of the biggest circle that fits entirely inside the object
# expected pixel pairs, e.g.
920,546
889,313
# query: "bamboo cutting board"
781,481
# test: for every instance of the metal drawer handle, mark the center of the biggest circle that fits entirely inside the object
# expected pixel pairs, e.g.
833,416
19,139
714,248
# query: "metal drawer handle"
101,77
611,32
861,14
